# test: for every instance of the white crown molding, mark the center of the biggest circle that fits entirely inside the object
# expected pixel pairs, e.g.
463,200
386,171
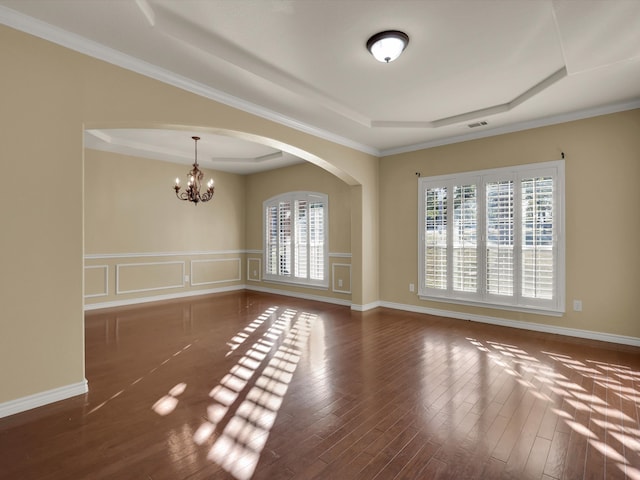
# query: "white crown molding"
517,127
43,398
114,144
147,11
82,45
483,112
74,42
200,39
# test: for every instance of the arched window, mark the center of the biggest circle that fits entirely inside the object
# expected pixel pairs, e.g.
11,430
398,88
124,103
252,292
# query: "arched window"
296,238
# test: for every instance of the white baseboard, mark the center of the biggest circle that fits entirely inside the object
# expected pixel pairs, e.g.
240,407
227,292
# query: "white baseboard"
157,298
306,296
43,398
366,306
173,296
536,327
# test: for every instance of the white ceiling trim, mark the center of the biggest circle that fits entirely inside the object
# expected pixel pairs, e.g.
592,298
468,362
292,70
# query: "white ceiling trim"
516,127
147,11
255,160
195,37
19,21
505,107
481,113
46,31
116,144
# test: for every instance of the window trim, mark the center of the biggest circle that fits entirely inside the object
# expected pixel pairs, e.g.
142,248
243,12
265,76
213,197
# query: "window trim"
292,280
516,302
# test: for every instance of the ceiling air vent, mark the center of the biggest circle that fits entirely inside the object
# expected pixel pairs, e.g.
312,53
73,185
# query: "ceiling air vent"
482,123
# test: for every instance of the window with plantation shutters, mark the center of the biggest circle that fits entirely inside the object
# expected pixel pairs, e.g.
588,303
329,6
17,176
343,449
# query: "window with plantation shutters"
295,238
494,238
435,254
538,257
465,245
499,237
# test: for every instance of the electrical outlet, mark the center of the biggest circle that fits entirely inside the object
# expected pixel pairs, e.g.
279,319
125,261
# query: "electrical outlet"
412,287
186,279
577,305
255,273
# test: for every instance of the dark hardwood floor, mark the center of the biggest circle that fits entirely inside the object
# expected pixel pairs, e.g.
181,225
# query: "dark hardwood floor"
255,386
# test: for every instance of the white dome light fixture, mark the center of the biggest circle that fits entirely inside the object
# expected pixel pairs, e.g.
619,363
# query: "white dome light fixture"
388,45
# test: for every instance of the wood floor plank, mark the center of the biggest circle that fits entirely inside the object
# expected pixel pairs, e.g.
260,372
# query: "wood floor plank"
537,459
420,442
418,462
525,444
387,447
435,470
248,385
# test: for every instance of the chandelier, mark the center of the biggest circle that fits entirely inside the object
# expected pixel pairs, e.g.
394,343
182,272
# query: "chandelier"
195,175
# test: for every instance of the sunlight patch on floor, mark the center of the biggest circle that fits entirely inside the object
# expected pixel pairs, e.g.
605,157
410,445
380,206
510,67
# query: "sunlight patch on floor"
169,402
247,399
615,434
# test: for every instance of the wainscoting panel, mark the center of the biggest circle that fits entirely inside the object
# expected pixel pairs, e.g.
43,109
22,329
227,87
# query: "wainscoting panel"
211,271
117,279
96,281
146,277
254,269
341,277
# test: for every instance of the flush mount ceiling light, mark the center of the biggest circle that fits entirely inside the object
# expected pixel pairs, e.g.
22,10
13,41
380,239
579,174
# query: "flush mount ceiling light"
194,183
388,45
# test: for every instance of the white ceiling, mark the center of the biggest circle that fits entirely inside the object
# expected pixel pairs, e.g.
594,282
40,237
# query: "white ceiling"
218,152
515,64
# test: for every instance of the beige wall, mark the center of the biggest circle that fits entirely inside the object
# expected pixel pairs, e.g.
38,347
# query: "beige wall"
49,95
304,177
117,98
41,325
131,207
141,242
602,217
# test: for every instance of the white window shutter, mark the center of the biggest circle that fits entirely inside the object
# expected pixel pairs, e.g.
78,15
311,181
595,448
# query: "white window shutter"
494,237
295,241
